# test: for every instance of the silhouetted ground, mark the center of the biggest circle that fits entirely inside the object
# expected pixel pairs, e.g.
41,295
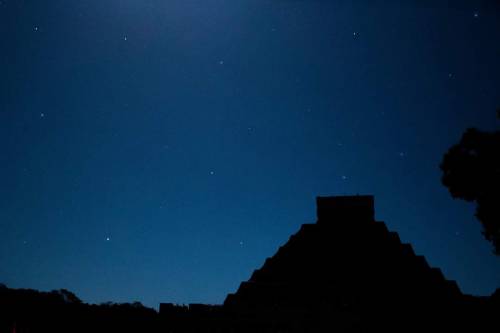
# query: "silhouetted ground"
345,273
25,310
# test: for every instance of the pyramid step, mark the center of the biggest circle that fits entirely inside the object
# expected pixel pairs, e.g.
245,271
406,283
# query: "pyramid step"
380,228
246,289
267,263
282,250
256,275
394,238
306,231
263,276
296,239
407,251
421,263
308,227
453,287
437,274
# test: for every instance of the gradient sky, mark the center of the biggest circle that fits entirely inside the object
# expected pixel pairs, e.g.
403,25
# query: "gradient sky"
160,150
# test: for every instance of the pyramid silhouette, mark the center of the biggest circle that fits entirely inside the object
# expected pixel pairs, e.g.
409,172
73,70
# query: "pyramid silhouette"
344,270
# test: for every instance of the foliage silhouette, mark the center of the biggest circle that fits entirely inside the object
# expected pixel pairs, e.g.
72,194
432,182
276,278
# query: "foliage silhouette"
27,310
471,172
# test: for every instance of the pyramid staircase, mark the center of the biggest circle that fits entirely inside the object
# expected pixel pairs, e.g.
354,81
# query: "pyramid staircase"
346,262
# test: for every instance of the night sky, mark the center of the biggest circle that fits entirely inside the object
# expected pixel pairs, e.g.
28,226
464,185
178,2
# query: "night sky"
160,150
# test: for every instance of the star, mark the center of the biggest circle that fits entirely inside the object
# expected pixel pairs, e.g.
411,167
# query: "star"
212,173
476,14
42,115
108,239
125,38
402,154
355,34
35,28
241,243
344,177
221,62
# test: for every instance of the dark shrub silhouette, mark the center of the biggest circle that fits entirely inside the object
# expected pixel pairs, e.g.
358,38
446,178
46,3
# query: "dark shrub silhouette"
471,172
27,310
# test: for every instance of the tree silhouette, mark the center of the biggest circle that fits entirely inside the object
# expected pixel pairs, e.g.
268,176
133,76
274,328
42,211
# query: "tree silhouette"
471,172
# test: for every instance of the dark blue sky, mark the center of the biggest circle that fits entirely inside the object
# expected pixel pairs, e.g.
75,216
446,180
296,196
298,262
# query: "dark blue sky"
160,150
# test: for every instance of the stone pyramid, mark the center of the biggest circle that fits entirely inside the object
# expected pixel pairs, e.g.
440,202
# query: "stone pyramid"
346,265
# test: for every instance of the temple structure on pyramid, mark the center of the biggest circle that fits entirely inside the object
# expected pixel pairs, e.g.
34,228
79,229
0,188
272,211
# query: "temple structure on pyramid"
346,272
